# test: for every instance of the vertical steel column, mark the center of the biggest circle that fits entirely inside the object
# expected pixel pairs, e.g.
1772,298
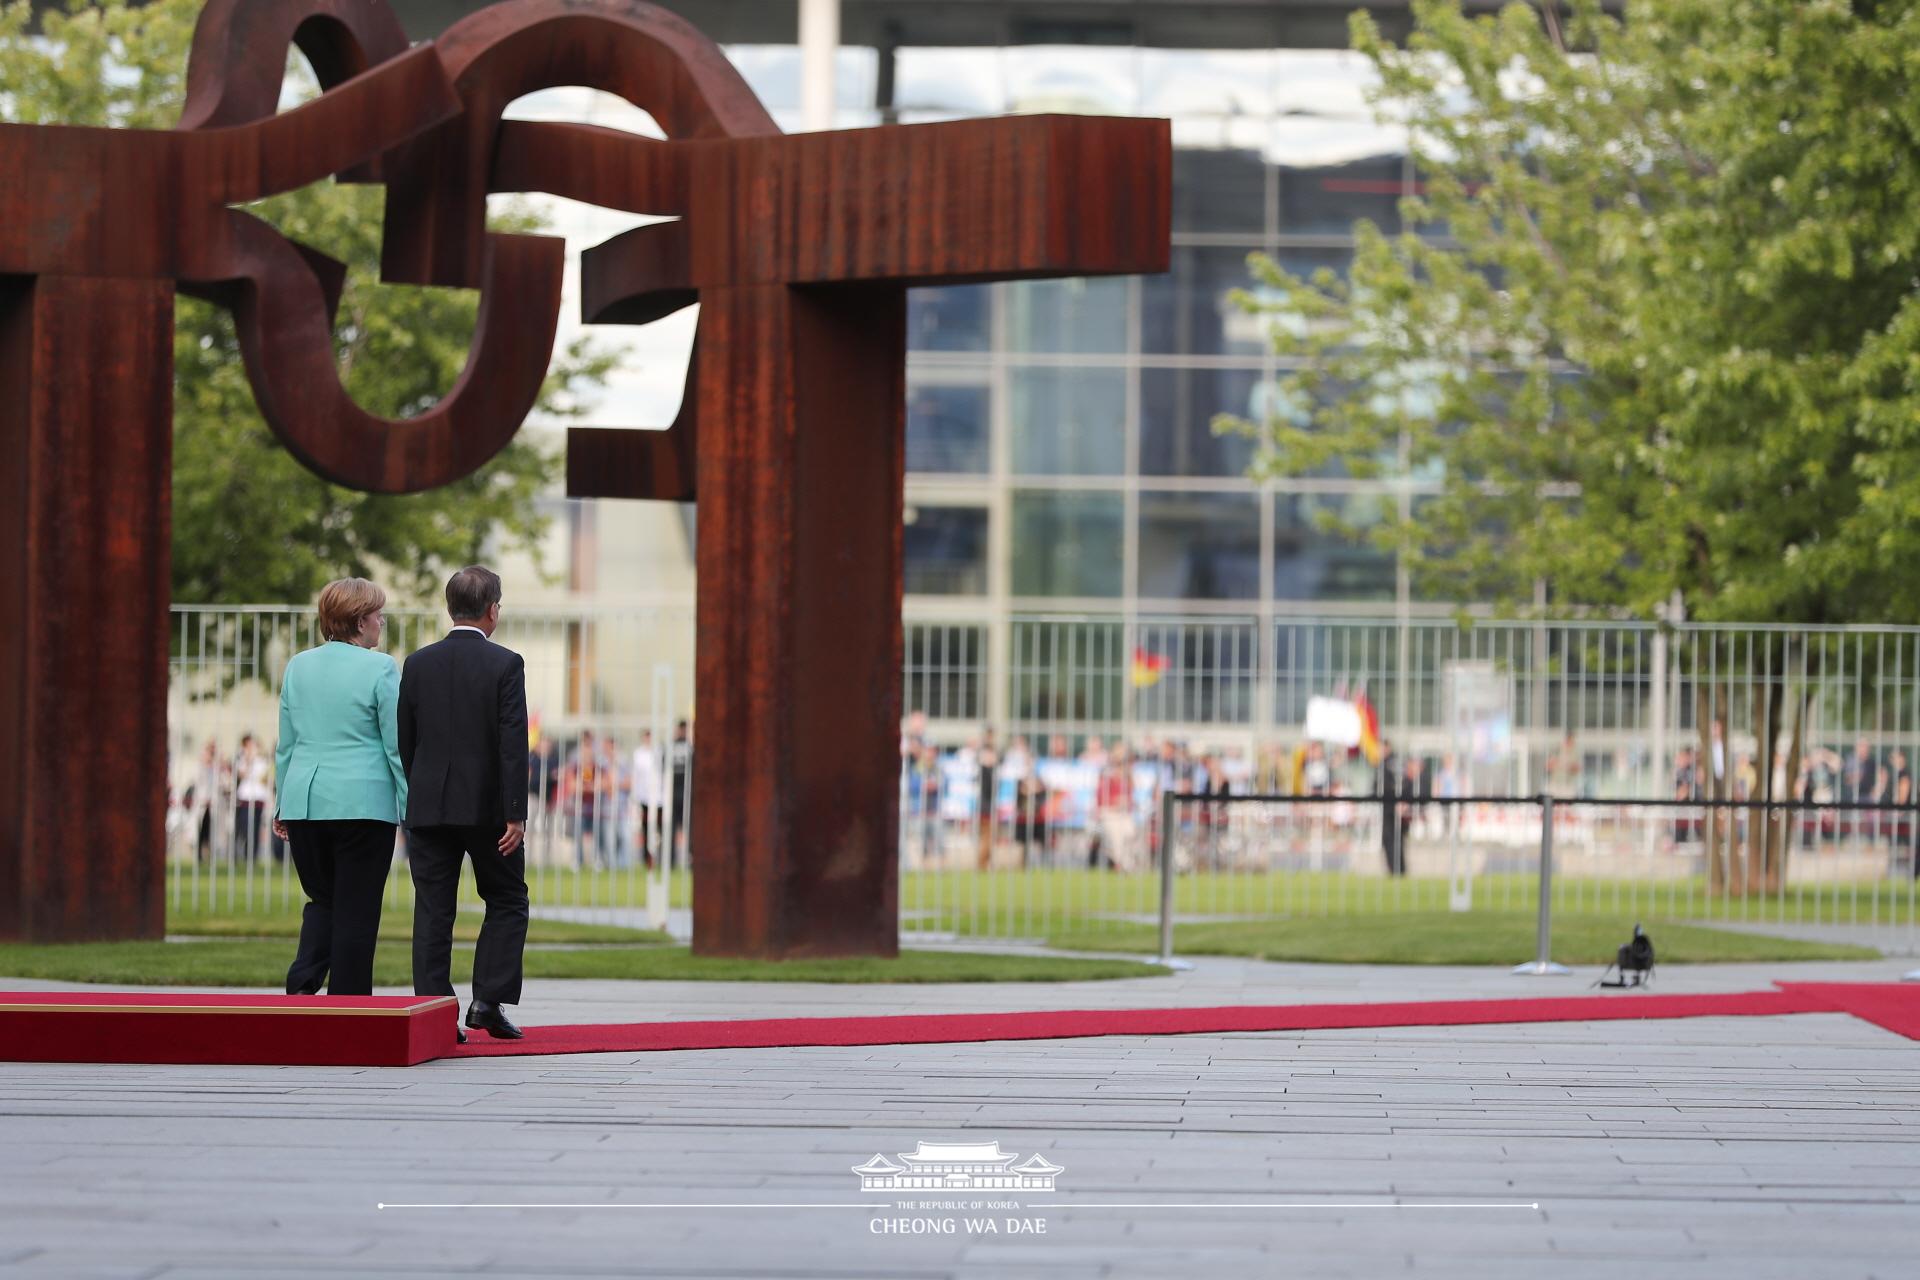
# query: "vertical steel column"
86,412
795,849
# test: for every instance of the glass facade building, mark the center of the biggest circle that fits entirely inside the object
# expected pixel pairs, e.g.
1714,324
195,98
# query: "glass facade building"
1062,460
1067,425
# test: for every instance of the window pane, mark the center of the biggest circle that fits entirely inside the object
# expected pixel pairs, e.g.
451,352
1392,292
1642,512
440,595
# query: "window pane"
1176,417
1311,563
1231,83
949,83
1067,671
1200,546
949,318
1326,196
1186,311
1326,83
942,669
1066,544
945,549
773,73
1210,672
1072,78
1069,422
1221,106
947,429
1068,315
1219,191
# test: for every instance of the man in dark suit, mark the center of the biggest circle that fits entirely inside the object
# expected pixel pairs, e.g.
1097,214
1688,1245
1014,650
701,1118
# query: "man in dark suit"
463,743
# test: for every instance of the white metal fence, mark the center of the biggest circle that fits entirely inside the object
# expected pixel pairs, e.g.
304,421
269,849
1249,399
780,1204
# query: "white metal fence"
1040,745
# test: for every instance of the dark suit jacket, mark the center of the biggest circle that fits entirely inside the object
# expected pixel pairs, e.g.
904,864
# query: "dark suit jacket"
463,733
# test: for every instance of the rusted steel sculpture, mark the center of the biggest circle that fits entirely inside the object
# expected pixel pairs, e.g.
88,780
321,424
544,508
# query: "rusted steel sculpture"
799,250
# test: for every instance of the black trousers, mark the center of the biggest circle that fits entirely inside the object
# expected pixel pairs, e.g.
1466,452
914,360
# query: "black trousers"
1393,839
648,815
343,868
249,820
435,854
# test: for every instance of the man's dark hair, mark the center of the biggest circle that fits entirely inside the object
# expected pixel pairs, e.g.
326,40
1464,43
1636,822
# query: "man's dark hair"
471,591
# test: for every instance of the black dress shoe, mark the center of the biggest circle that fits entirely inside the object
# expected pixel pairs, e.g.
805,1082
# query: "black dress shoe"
460,1032
492,1019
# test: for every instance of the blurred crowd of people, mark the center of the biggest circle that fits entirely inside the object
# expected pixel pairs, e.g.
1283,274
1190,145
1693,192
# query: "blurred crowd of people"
593,801
1050,799
597,802
1051,802
1878,780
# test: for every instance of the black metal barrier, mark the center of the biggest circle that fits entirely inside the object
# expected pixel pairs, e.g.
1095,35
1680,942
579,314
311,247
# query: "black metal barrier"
1542,963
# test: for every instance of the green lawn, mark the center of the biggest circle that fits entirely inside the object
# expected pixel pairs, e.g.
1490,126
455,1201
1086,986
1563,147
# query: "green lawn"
1038,902
396,925
235,962
1298,915
271,888
1054,904
1443,937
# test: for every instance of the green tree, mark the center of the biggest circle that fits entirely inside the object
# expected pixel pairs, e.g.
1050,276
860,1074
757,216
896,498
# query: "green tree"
1653,323
1651,329
250,523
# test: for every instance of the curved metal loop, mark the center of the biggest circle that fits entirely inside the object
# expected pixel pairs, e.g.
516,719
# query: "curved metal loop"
281,312
654,59
282,295
239,54
436,217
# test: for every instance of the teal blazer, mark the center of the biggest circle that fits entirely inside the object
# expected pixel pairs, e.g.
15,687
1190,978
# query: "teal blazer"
339,753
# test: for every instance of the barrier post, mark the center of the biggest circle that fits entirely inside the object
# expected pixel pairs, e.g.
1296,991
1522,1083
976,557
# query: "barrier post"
1166,883
1542,964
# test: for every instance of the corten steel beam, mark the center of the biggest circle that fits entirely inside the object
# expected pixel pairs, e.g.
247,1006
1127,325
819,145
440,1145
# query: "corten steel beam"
797,669
796,415
86,379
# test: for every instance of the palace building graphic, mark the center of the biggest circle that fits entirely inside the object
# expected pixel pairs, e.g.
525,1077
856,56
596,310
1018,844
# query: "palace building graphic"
958,1166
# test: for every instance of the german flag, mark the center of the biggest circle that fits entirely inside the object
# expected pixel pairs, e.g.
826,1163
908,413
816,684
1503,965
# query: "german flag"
1369,726
1147,668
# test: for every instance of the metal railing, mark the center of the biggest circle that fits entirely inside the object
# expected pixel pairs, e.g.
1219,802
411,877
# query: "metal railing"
1822,871
1033,810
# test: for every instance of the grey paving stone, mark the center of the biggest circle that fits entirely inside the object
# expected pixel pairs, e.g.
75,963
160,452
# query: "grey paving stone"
1750,1147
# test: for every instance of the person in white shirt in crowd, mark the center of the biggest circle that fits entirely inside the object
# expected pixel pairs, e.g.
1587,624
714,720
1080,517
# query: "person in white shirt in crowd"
210,785
253,792
646,793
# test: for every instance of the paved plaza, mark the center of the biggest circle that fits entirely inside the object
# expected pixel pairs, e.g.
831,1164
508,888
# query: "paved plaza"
1753,1147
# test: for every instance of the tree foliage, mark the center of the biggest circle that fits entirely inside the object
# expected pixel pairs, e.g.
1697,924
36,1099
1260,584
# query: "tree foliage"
1654,321
251,523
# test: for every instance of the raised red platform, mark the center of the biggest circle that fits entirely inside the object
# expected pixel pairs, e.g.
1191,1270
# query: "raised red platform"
265,1030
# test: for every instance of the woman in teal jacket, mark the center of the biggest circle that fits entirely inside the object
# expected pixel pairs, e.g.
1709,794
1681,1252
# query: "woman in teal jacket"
340,787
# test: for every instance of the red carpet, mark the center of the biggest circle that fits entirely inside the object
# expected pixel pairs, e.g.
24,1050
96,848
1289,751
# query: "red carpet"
1892,1006
68,1026
266,1030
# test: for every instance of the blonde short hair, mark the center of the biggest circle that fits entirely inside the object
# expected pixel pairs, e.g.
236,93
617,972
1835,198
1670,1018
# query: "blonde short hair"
343,604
